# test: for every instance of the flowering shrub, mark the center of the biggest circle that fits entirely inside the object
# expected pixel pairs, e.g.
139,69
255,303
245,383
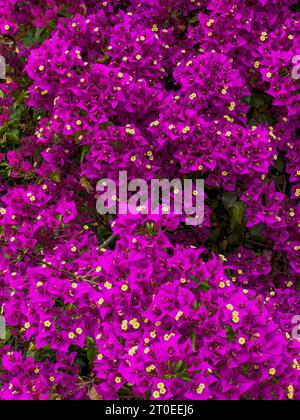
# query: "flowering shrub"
162,89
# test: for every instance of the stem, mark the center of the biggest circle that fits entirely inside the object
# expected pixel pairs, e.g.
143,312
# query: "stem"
108,241
62,271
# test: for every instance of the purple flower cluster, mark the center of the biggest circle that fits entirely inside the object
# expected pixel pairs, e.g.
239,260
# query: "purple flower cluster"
161,89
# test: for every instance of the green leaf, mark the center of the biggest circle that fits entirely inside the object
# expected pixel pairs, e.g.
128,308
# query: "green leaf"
235,239
194,278
193,340
238,212
4,341
91,349
36,36
186,379
85,151
279,164
64,13
14,135
229,199
55,176
204,286
177,366
246,100
230,334
39,32
194,20
256,233
197,305
246,370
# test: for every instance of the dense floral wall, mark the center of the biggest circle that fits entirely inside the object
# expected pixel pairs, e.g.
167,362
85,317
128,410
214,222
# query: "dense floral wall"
162,89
